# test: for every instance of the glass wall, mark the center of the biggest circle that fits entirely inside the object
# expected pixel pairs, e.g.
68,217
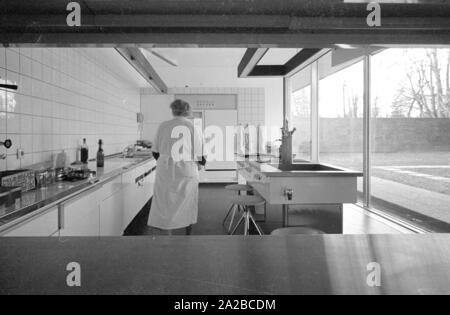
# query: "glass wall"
409,157
411,132
300,113
341,109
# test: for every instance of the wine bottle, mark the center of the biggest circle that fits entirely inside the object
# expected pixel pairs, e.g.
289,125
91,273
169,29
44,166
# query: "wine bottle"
100,155
84,152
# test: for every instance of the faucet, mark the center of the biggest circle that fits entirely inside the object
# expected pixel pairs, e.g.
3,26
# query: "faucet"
7,143
286,144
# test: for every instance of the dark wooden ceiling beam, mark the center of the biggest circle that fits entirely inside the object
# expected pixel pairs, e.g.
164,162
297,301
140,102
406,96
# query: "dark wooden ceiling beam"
286,22
138,61
305,8
251,23
304,57
249,61
242,39
267,71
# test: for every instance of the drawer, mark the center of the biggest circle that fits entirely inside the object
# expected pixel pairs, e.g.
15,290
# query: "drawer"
110,188
43,225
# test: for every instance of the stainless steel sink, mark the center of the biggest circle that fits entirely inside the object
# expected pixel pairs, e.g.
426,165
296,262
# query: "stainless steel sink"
307,167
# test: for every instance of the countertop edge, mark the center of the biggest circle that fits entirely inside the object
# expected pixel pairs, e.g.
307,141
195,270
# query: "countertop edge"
43,207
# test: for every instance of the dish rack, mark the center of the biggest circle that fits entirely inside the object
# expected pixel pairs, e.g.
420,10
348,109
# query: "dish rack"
24,179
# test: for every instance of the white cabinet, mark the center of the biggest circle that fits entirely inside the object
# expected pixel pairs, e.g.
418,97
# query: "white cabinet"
138,190
105,210
81,217
112,208
44,225
111,216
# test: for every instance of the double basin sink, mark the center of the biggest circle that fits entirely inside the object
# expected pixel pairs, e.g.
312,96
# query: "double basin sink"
311,169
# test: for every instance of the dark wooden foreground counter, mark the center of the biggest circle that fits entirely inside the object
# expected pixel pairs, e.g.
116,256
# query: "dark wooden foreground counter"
411,264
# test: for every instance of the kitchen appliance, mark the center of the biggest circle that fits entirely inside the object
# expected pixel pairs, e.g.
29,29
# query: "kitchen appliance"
145,144
77,175
18,178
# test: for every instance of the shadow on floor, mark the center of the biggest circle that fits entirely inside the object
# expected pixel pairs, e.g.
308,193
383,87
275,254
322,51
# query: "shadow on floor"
214,202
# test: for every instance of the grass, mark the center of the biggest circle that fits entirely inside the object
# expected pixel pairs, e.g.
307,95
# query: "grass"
355,161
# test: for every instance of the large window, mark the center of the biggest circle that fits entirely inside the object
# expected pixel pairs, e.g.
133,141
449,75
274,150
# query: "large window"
411,132
407,169
341,108
300,104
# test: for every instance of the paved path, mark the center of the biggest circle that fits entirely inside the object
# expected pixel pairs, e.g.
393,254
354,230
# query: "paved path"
423,201
409,170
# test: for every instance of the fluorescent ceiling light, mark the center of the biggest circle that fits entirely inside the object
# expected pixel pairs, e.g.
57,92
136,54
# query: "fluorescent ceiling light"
345,46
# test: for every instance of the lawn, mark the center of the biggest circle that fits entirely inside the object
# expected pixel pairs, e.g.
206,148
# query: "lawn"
382,160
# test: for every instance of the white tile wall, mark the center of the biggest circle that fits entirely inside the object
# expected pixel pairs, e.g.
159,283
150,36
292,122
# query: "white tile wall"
251,101
64,95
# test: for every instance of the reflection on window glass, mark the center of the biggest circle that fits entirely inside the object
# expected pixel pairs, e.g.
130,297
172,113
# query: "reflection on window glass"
300,85
411,131
341,105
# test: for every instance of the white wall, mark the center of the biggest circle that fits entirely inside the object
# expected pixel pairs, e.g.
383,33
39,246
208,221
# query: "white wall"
210,68
65,95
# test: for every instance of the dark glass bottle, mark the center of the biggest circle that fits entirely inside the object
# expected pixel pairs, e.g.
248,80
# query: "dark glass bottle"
84,152
100,155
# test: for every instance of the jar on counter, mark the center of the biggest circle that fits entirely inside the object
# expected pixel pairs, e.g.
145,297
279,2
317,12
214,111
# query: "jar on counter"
41,179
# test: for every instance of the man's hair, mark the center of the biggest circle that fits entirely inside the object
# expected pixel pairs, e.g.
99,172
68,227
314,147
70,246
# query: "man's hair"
180,108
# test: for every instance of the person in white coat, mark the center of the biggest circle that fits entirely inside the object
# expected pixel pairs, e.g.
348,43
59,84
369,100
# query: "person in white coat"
178,150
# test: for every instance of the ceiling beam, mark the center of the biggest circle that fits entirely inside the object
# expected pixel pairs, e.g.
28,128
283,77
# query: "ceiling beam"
302,59
249,61
255,23
139,62
244,39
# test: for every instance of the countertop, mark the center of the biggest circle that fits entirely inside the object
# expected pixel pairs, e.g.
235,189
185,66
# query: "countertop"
36,199
272,170
323,264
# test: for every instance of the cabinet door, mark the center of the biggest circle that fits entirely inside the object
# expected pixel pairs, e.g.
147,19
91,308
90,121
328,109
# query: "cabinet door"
44,225
81,217
130,205
111,215
221,119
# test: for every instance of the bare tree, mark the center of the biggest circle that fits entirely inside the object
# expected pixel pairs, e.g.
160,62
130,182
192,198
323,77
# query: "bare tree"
426,88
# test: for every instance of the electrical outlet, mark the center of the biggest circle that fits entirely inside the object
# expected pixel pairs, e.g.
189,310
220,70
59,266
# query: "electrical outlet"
20,154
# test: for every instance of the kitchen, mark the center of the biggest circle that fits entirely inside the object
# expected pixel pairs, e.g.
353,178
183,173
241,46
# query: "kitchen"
313,161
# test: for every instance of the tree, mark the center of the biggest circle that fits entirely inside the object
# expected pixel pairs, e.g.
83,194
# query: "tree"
425,91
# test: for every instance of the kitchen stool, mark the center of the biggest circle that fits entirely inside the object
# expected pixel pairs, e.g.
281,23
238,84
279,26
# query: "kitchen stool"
238,189
244,203
296,231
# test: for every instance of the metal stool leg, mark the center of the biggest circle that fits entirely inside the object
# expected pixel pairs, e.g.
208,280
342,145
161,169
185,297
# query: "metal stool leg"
228,214
235,209
239,224
260,232
247,222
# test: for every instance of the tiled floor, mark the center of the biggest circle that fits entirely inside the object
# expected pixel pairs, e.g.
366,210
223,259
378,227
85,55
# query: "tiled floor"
215,200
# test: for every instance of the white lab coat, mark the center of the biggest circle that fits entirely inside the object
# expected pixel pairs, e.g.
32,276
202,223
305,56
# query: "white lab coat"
175,199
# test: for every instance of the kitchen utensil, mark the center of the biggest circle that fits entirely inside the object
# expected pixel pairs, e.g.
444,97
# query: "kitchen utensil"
41,179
